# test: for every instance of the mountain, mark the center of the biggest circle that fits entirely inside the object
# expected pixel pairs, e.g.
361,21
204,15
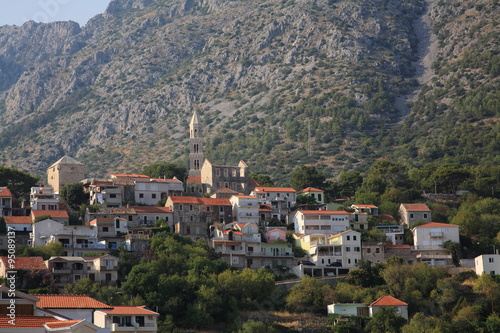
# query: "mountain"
277,83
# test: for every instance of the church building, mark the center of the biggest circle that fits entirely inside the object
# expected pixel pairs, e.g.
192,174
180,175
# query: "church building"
205,177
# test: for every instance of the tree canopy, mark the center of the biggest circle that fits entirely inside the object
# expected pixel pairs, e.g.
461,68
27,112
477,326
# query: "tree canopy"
165,170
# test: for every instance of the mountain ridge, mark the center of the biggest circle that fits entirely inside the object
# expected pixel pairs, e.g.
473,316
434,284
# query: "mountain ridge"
121,89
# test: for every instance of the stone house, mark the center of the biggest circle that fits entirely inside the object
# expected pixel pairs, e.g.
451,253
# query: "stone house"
65,171
411,213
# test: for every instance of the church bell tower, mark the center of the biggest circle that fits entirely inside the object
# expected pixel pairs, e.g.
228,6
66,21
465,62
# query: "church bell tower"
196,156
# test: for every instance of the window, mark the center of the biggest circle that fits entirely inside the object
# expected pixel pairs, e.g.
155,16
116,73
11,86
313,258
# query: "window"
348,249
105,229
356,249
348,238
153,195
188,230
225,173
180,207
319,197
190,207
411,215
377,250
112,195
191,218
348,261
368,250
221,209
208,208
425,215
108,276
491,260
353,237
217,172
141,195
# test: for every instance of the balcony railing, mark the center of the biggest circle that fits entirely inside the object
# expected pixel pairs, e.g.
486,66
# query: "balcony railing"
109,268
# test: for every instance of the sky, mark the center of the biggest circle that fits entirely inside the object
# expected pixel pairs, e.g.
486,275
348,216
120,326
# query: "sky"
16,12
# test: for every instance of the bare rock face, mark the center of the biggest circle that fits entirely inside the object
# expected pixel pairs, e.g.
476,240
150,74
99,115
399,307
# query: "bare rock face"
131,76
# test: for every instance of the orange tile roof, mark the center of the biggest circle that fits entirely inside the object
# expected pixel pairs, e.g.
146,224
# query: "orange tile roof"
246,197
188,200
365,206
25,321
253,182
61,214
436,224
101,221
214,201
224,189
416,207
193,180
311,189
274,189
69,302
63,323
27,263
18,219
151,209
5,192
130,310
234,232
265,208
388,301
386,217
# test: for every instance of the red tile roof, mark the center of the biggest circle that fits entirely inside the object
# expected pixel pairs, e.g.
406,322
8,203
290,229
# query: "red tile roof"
130,310
57,214
311,189
274,189
63,323
436,224
101,221
253,183
386,217
405,246
214,201
193,180
18,219
265,208
151,209
187,200
5,192
246,197
165,180
69,302
27,263
25,322
388,301
365,206
416,207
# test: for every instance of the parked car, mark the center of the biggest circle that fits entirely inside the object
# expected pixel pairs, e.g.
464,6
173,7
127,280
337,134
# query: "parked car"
306,263
334,264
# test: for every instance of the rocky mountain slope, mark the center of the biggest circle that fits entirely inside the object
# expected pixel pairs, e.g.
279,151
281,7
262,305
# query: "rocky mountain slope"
263,74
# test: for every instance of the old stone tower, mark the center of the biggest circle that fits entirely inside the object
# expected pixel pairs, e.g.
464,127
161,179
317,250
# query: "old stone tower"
65,171
196,156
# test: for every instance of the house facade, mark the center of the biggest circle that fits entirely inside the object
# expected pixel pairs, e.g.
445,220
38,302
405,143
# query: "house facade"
487,264
280,200
135,319
411,213
428,242
319,221
43,198
245,208
6,200
65,171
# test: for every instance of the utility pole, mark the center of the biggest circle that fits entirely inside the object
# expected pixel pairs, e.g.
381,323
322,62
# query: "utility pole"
309,146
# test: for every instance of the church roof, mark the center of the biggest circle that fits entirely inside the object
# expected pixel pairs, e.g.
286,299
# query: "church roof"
66,160
194,119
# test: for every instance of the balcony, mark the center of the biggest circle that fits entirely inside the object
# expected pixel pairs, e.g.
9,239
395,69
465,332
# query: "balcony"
436,234
64,270
109,268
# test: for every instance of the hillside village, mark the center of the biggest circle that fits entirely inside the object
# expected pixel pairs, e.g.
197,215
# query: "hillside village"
246,224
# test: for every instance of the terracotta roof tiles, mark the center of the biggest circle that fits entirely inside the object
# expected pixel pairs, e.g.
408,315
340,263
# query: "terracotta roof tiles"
61,214
63,323
388,301
151,209
5,192
130,310
25,321
69,302
311,189
18,219
186,200
26,263
436,224
416,207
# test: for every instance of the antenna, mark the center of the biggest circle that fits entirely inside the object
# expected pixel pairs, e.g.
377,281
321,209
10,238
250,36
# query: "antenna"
309,145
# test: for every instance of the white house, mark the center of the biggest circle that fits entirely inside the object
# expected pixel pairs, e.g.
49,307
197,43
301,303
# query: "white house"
43,198
348,309
389,301
245,208
281,199
428,240
151,190
487,264
127,319
319,221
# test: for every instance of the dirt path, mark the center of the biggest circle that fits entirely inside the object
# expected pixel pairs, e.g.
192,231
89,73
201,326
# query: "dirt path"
428,47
